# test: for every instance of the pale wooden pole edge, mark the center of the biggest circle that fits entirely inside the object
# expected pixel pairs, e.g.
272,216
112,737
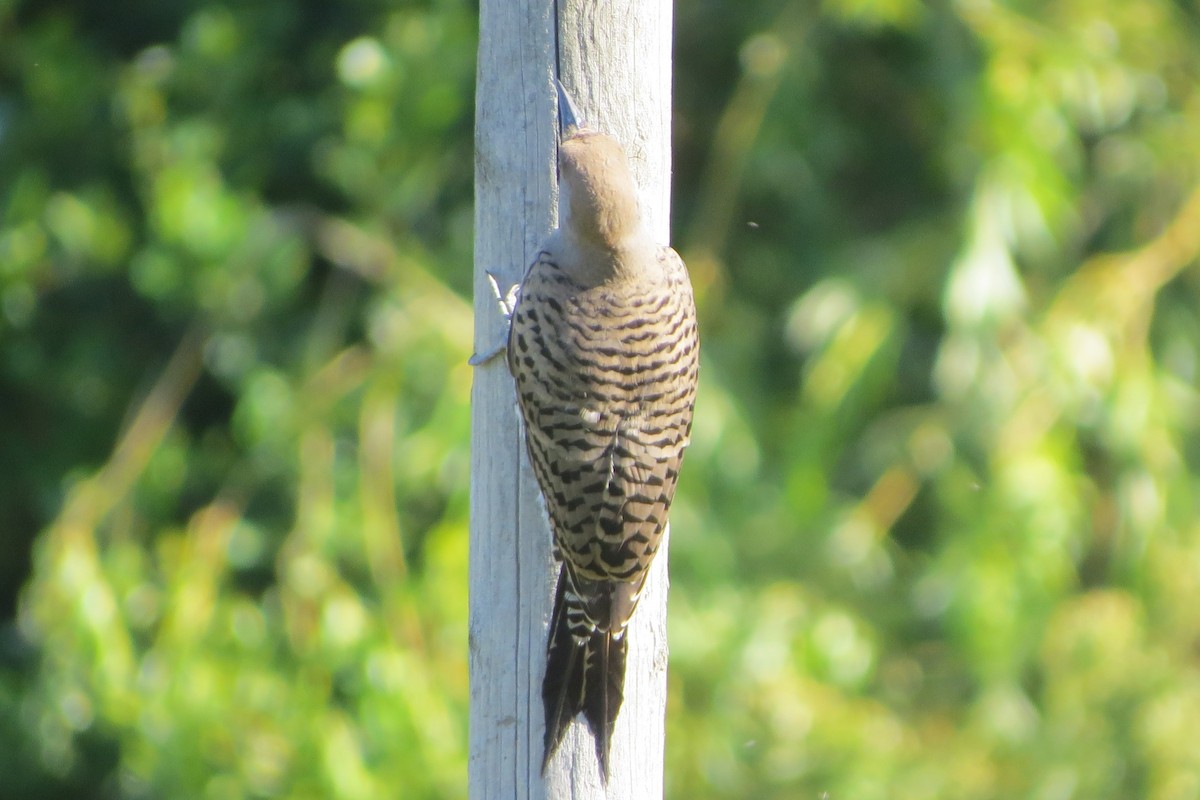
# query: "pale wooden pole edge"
509,544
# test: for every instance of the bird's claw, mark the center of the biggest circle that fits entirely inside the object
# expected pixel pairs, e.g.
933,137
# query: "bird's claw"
507,302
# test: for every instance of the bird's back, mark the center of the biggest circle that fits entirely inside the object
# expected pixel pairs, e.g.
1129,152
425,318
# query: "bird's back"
606,379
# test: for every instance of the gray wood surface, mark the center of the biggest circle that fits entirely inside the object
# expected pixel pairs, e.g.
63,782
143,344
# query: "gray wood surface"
614,57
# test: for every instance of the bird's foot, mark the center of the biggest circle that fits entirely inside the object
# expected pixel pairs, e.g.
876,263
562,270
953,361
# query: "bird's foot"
507,302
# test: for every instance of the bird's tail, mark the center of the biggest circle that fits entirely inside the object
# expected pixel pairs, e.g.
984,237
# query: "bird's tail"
585,672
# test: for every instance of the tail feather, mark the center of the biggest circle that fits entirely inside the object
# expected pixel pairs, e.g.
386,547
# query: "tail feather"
604,684
562,688
585,672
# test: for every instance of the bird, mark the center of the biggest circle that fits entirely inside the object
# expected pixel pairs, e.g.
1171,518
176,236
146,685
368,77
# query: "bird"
604,350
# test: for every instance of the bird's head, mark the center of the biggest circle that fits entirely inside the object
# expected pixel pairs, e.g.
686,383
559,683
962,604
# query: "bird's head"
597,197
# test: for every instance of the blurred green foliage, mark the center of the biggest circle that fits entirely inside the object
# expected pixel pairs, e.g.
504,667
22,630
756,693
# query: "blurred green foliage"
935,537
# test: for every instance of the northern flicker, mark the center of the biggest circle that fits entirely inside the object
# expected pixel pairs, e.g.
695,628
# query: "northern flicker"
604,350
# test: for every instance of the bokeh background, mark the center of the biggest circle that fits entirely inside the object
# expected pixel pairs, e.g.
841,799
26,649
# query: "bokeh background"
935,537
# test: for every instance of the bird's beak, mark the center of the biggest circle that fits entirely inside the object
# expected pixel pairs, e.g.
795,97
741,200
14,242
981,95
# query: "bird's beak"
569,118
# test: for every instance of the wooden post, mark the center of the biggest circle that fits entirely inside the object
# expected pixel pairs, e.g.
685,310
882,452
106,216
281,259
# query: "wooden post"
614,58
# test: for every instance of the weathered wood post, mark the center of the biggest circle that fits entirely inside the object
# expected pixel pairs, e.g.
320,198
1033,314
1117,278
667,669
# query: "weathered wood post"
615,58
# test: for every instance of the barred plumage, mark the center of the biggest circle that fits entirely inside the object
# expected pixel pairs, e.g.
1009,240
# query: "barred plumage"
604,349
